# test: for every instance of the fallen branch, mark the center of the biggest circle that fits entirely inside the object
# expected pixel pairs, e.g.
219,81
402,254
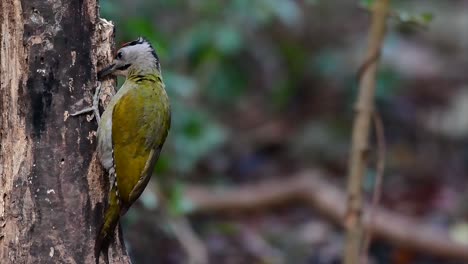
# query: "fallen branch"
330,201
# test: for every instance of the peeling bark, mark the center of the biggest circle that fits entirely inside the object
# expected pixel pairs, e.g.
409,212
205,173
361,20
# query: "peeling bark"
52,189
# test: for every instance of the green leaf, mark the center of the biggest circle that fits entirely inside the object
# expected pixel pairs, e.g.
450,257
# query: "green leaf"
163,164
427,17
228,39
367,3
108,8
136,27
178,203
227,83
193,136
180,85
282,95
287,11
421,20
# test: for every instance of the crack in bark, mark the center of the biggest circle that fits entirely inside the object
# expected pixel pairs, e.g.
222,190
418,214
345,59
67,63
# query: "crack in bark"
51,186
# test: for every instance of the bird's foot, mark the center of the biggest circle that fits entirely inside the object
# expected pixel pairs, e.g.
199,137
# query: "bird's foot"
94,108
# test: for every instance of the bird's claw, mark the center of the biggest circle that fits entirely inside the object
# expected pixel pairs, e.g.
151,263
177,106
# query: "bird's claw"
94,108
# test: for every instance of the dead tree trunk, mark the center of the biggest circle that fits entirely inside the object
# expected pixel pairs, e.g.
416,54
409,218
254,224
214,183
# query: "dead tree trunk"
52,189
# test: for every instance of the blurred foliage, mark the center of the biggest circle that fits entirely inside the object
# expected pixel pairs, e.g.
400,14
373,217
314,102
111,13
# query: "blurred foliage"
204,62
404,17
231,65
265,88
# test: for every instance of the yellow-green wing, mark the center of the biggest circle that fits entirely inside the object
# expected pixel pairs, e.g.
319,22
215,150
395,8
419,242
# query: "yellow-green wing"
140,122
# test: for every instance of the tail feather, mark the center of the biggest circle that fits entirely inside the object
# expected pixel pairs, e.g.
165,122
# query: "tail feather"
106,231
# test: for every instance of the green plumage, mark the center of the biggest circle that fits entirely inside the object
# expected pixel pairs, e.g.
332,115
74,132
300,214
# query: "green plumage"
141,120
137,121
131,131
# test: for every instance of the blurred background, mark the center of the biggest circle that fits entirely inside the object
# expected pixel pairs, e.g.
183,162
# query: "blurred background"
263,90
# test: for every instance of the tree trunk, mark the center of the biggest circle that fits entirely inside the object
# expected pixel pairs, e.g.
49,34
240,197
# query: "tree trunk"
52,189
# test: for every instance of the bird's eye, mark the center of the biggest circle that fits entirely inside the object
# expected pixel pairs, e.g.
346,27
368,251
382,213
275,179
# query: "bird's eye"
119,55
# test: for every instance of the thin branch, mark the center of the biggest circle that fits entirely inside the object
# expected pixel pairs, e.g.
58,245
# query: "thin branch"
377,192
360,136
310,188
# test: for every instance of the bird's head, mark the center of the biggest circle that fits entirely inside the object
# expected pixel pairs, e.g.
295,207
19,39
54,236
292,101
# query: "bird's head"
137,55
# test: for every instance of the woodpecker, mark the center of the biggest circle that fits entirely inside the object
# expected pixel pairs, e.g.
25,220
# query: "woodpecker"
131,131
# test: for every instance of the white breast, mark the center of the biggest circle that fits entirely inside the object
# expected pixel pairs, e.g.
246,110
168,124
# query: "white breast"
104,139
104,133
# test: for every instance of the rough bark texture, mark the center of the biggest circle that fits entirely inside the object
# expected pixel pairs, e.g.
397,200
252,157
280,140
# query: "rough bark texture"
52,189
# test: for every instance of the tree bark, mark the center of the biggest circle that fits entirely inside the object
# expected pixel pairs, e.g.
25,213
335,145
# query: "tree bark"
52,189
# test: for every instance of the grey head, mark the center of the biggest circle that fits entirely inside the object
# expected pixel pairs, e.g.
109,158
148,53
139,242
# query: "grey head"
138,55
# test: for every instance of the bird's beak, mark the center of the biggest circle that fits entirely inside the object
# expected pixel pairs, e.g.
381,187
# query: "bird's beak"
106,71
